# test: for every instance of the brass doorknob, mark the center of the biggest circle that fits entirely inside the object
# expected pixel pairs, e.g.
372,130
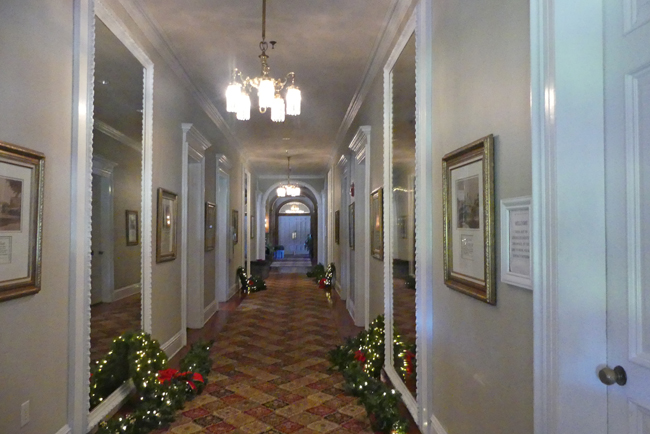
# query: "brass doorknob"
609,376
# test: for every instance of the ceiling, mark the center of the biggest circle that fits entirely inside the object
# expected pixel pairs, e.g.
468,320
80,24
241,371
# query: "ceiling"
327,43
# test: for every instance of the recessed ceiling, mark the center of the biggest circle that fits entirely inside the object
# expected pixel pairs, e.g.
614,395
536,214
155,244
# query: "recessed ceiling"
327,43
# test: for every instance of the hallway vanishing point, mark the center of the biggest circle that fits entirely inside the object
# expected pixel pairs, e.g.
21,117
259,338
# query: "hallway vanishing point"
270,367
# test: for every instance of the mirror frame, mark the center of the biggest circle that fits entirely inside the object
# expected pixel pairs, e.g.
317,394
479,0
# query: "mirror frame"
420,25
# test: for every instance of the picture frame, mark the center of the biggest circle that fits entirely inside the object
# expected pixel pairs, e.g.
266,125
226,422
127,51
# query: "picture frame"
351,225
337,226
21,220
253,227
132,227
468,213
235,226
516,265
377,223
210,226
166,225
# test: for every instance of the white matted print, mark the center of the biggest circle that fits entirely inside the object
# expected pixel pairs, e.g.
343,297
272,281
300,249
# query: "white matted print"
516,242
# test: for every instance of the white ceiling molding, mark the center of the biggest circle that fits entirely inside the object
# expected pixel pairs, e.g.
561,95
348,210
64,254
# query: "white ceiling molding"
359,143
224,161
103,166
383,45
343,161
195,140
113,133
292,176
151,30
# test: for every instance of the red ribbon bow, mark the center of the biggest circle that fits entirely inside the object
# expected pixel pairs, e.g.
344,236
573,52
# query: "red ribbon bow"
360,356
169,374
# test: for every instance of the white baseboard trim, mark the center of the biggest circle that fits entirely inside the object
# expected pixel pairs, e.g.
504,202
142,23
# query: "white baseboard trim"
436,426
233,290
210,310
174,345
338,289
126,291
111,404
349,305
65,430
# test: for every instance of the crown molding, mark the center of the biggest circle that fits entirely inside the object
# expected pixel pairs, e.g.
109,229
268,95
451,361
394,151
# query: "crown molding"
103,166
383,44
199,143
292,177
360,142
113,133
224,162
152,32
343,161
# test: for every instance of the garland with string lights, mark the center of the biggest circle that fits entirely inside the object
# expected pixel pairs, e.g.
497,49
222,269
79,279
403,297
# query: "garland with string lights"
327,280
250,284
360,360
159,391
317,272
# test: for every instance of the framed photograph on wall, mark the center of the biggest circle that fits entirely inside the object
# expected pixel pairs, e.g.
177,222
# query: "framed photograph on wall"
351,225
253,227
337,226
235,227
132,228
210,226
21,220
468,210
166,225
516,266
377,223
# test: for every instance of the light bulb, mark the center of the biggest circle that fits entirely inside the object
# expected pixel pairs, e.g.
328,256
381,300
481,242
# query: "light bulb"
232,97
281,192
277,109
293,101
244,107
265,93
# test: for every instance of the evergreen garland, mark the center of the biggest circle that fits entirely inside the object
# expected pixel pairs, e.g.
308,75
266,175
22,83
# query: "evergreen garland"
250,284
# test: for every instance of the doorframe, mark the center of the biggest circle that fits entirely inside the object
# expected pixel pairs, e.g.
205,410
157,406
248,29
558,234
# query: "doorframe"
342,284
567,125
246,206
194,147
224,238
104,168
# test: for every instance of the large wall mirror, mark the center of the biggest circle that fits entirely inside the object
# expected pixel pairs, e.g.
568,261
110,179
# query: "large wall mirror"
399,217
120,266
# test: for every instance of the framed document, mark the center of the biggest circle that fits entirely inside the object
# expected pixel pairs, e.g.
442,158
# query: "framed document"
210,226
377,223
516,242
21,220
132,228
468,209
337,226
235,226
166,226
351,225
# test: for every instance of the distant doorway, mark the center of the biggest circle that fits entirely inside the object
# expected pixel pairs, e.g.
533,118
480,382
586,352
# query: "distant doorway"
293,231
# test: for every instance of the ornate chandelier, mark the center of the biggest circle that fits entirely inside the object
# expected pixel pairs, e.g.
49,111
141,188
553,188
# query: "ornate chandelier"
288,189
268,89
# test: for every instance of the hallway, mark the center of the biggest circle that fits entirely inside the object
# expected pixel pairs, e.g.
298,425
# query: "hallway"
270,368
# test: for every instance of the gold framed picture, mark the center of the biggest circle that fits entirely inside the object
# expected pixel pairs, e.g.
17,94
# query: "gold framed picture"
132,228
337,226
377,223
253,227
166,225
210,226
21,220
468,209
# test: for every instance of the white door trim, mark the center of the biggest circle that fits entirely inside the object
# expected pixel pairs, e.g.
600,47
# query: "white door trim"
569,302
222,258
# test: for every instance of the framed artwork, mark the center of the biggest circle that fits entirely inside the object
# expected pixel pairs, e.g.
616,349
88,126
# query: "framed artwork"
468,210
516,268
337,226
166,225
253,227
235,227
351,225
21,220
210,226
132,228
377,223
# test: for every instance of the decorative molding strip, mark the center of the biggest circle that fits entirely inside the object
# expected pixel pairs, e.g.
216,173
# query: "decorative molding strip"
343,161
360,143
199,142
436,426
64,430
383,45
127,291
113,133
210,310
110,405
103,167
174,345
224,162
151,30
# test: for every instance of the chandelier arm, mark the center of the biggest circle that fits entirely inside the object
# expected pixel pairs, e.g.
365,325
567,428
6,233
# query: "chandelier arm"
263,20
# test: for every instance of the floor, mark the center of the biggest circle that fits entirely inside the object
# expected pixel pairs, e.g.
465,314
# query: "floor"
270,367
110,320
292,264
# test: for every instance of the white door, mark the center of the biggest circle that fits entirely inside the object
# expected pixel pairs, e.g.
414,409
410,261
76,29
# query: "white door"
292,232
97,249
627,144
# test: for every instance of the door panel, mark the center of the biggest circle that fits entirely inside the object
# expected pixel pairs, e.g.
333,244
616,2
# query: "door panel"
292,232
627,135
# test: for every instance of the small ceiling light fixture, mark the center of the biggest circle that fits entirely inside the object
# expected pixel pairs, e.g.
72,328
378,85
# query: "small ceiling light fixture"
268,89
288,189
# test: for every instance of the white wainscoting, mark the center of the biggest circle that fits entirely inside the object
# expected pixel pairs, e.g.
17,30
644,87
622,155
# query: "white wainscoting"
174,345
65,430
210,310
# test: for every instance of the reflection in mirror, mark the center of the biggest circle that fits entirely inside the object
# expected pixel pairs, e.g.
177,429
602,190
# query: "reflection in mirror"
403,209
116,193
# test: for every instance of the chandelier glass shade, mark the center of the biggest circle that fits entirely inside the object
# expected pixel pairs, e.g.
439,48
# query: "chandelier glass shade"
268,89
288,189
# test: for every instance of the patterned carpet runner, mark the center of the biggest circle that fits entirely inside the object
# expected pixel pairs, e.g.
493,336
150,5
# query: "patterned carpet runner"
270,369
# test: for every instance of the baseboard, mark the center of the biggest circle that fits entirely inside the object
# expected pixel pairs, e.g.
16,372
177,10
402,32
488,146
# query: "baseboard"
349,305
65,430
436,426
209,311
110,405
338,289
126,291
233,290
174,345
